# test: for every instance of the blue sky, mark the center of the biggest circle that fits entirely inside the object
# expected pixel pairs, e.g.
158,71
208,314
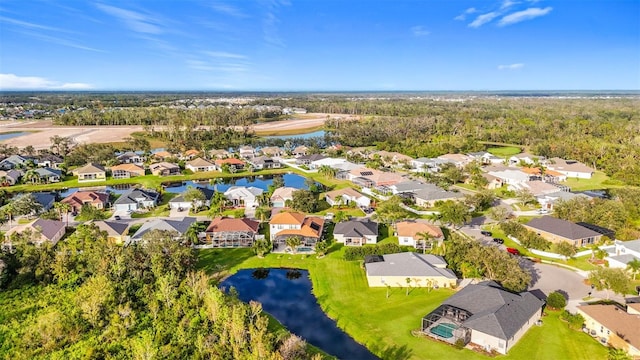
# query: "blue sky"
319,45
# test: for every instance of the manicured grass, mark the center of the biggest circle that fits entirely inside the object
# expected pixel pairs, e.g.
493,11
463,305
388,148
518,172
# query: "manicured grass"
355,212
384,324
161,210
504,151
598,181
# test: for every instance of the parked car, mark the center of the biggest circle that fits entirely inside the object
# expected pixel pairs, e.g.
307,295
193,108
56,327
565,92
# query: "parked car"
485,233
513,251
543,211
498,241
117,217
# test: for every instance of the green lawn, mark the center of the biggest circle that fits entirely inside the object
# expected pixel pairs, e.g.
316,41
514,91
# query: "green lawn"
161,210
599,181
504,151
384,324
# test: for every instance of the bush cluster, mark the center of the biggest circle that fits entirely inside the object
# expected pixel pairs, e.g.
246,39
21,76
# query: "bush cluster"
527,238
358,253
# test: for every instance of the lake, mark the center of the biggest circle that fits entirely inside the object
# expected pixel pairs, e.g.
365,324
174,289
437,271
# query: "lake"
319,133
286,294
116,189
11,135
261,182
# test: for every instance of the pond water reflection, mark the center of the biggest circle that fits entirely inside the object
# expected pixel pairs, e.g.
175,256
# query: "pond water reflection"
286,294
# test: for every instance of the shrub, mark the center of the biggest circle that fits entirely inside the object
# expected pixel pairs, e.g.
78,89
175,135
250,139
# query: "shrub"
527,238
556,300
459,344
359,253
575,321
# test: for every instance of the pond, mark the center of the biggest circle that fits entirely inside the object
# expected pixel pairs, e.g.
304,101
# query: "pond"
261,182
11,135
286,294
116,189
319,133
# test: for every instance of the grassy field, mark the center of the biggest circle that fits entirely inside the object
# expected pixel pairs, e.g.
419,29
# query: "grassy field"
384,324
598,181
504,151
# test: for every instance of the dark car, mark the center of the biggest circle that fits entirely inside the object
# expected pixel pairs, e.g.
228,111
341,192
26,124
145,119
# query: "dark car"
513,251
117,217
485,233
498,241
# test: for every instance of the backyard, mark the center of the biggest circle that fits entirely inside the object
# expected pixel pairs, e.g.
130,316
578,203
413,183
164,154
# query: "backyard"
384,324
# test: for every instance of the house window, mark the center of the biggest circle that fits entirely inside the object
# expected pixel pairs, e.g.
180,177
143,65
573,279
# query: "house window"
501,345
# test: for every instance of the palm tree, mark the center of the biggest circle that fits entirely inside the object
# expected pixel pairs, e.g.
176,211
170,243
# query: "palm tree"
634,267
31,176
327,171
425,237
262,213
8,211
293,242
63,208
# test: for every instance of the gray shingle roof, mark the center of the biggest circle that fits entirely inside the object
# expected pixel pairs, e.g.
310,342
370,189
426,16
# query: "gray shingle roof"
625,259
131,196
563,228
48,228
409,264
179,226
356,228
112,227
633,245
495,311
48,172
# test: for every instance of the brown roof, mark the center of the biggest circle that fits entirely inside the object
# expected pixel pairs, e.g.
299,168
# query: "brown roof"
311,227
346,191
163,154
82,197
230,161
617,320
553,173
411,228
164,165
284,218
531,170
199,162
90,168
559,164
192,152
129,167
634,306
225,224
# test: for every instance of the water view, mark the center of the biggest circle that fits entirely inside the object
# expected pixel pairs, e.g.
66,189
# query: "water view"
261,182
11,135
319,133
286,294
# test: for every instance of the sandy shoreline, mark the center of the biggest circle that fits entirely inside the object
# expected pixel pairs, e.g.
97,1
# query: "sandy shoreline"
41,131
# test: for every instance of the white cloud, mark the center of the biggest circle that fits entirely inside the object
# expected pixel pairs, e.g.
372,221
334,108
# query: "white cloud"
15,82
199,65
419,30
229,10
523,15
511,66
26,24
463,16
224,54
270,22
135,21
483,19
507,4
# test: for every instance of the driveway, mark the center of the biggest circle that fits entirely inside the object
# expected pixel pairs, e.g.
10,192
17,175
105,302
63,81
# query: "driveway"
174,213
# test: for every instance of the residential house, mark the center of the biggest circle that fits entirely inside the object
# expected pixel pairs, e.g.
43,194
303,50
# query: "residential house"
48,175
45,199
300,151
131,157
233,164
308,159
615,325
537,188
511,176
428,164
524,158
179,202
219,154
49,160
272,151
90,172
190,154
178,227
366,177
248,197
459,160
558,230
136,199
42,230
126,171
96,199
281,195
493,182
570,168
407,186
14,161
390,158
164,169
430,194
284,225
623,253
549,200
230,232
485,158
356,232
9,177
246,152
263,162
394,269
347,196
200,165
418,233
163,155
327,161
554,176
484,314
116,231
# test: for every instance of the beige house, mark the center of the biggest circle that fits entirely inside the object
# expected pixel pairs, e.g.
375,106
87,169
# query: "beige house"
200,165
422,269
116,231
557,230
615,325
42,231
126,171
164,169
410,233
281,195
90,172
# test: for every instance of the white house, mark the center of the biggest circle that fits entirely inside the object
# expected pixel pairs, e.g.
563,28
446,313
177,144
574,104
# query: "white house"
356,232
330,162
347,196
428,165
244,196
623,253
281,195
200,165
413,233
511,176
570,168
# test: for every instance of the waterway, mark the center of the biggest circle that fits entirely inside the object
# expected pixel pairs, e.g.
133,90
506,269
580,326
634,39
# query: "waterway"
286,295
261,182
319,133
11,135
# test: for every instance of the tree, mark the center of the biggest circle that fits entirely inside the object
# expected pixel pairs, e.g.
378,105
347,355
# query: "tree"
327,171
610,279
426,239
499,213
293,242
408,281
261,247
195,196
63,208
618,354
305,201
634,267
525,197
193,231
340,216
262,213
322,247
565,249
391,210
556,300
454,213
